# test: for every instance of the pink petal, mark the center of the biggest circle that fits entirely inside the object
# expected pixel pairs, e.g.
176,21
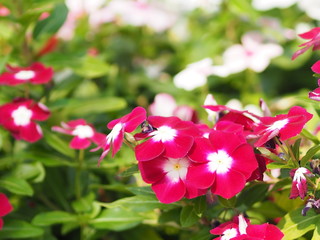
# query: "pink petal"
40,112
76,122
79,143
229,184
31,132
200,150
316,67
264,231
98,138
178,147
117,142
168,192
152,171
199,176
5,206
310,34
244,160
134,119
148,150
226,140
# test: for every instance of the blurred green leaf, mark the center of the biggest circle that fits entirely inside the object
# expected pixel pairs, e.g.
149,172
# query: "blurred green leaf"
305,133
54,217
294,225
17,185
84,204
228,203
145,190
17,229
116,219
58,144
200,204
91,67
252,194
30,171
316,233
51,24
130,171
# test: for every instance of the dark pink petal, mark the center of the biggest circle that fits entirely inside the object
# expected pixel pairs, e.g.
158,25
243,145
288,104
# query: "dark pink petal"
199,176
315,94
148,150
200,150
316,67
228,184
228,126
167,191
43,75
134,119
226,140
117,142
5,206
152,171
178,147
223,227
79,143
244,160
264,231
76,122
31,132
61,130
40,112
157,121
310,34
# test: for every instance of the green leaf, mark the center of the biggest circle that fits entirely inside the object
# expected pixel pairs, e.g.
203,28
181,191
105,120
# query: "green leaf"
294,225
30,171
311,152
146,190
296,148
54,217
252,194
58,144
188,216
275,165
310,136
116,219
130,171
84,204
228,203
316,233
92,67
270,155
200,205
51,24
17,186
80,107
140,203
16,229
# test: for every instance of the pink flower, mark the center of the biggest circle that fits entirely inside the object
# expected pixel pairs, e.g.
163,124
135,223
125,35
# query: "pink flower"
83,133
299,182
223,163
314,41
171,137
5,207
165,105
18,117
168,178
37,73
315,94
120,126
284,126
240,228
253,53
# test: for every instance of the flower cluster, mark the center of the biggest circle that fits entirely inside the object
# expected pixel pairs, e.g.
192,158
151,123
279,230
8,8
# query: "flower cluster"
5,207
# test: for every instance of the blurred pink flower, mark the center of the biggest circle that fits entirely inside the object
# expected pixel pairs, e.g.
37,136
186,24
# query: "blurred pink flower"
253,53
135,13
5,207
165,105
4,11
195,75
83,133
37,73
19,117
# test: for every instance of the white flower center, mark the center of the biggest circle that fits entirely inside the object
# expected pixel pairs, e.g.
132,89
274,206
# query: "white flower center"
25,75
83,131
176,169
164,134
21,116
278,124
299,174
219,162
229,234
114,133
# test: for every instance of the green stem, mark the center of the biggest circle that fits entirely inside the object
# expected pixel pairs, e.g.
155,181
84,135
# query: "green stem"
78,187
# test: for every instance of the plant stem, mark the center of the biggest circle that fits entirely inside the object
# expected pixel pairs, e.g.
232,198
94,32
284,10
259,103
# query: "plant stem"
78,187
